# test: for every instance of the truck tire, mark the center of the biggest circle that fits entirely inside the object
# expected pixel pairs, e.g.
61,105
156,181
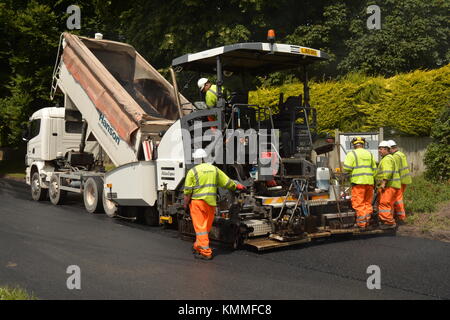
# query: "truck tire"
151,216
56,195
37,192
109,207
93,194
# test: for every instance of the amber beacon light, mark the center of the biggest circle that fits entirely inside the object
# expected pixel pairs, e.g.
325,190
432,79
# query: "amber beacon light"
271,36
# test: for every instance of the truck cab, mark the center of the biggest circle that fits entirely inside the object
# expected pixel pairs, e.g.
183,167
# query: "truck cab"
51,133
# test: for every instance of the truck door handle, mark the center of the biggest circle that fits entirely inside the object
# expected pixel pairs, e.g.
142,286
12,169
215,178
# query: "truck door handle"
54,134
33,150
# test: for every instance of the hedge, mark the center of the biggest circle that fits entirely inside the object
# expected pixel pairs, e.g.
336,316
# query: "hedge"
437,156
408,103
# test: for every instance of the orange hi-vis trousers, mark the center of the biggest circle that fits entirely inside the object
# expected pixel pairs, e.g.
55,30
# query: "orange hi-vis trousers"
202,215
386,205
362,195
212,118
399,207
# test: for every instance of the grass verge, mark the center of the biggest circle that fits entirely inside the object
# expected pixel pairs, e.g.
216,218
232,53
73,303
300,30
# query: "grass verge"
8,293
425,196
427,206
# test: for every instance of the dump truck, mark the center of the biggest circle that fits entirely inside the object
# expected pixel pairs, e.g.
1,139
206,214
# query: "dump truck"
116,103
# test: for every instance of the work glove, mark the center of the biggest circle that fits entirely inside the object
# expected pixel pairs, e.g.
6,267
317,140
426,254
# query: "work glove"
381,186
240,187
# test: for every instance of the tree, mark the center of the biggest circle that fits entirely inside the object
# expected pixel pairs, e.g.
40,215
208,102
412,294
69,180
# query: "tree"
5,49
31,31
31,42
413,35
326,34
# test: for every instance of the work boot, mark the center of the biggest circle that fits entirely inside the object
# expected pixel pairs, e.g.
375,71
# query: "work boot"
202,257
385,226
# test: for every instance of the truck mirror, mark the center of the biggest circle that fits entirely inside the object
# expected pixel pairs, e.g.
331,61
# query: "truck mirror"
25,133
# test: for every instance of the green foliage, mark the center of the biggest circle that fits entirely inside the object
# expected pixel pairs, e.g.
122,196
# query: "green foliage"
425,202
162,30
414,35
31,39
5,48
437,156
416,99
8,293
407,102
12,117
425,196
326,35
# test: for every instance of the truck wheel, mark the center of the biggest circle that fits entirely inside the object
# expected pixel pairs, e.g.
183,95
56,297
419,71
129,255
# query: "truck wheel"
151,216
37,192
109,206
93,194
56,195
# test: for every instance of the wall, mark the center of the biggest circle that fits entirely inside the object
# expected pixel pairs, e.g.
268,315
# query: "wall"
414,148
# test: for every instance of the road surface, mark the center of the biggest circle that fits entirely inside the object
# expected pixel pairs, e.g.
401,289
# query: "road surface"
124,260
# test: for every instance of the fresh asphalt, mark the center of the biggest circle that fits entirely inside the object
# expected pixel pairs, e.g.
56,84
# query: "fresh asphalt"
125,260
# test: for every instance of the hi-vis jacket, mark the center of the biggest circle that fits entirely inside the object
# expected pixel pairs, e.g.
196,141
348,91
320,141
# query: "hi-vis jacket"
211,95
361,165
402,164
202,182
387,170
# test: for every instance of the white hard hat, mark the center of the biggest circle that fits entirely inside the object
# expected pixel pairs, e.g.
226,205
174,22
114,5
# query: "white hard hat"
384,144
391,143
199,154
201,83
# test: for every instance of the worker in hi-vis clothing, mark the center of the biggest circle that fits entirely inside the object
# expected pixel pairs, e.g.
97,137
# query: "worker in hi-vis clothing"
361,166
405,179
210,91
200,191
388,180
